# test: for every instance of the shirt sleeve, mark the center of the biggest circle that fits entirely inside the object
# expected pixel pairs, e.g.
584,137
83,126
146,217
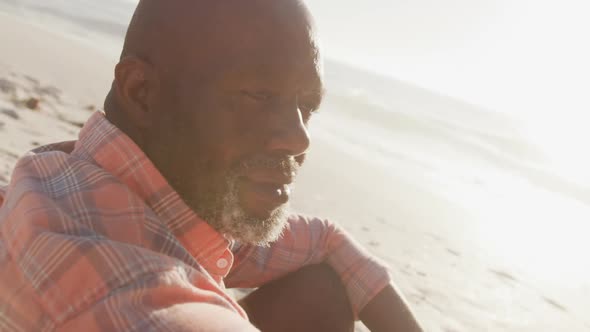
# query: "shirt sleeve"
159,305
308,241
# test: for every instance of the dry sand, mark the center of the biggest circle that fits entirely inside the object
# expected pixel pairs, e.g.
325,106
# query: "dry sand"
427,240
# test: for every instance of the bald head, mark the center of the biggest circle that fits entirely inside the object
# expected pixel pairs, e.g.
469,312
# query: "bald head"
218,94
172,32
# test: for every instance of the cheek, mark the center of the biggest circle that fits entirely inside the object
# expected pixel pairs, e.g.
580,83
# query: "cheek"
249,130
214,142
241,131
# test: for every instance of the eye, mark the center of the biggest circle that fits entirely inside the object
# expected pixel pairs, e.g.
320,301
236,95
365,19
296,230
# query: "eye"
260,96
309,102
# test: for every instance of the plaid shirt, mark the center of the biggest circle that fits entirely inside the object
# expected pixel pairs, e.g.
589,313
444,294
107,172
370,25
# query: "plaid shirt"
93,236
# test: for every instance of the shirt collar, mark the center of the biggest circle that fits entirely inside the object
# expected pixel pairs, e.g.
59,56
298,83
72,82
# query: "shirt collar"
102,142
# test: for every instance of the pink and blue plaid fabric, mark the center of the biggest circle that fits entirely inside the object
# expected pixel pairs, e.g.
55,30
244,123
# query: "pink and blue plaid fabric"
93,238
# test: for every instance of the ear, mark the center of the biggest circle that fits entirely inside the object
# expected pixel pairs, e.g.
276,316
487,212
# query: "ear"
134,80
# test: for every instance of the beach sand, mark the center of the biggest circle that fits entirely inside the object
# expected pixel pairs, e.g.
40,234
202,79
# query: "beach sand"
50,83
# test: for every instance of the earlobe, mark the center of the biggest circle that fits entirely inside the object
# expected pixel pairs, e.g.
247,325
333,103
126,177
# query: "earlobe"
132,81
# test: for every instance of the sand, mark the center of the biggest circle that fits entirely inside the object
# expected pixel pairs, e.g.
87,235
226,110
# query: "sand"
432,242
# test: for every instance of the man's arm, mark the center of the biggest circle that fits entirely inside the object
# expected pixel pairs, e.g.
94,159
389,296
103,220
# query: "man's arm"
182,317
388,311
159,303
310,241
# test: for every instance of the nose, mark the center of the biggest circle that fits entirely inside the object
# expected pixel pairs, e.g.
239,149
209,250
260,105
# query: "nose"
289,134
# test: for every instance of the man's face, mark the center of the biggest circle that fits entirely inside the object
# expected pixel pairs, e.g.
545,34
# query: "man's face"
233,127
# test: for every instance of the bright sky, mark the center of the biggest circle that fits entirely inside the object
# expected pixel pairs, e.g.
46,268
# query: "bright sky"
527,58
520,56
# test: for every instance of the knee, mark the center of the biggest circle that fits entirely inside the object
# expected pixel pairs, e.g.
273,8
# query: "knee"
324,298
321,288
311,299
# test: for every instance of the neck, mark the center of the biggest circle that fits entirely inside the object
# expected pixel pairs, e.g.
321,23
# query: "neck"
117,116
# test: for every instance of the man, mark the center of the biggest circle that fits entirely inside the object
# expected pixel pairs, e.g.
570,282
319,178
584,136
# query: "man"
180,189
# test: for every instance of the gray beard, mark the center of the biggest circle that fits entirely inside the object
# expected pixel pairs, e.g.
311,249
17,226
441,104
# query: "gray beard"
232,221
222,209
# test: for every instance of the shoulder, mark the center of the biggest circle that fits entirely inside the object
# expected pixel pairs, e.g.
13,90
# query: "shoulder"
301,222
56,218
54,171
54,190
300,218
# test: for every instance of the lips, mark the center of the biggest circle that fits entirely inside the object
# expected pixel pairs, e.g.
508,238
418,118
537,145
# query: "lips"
264,184
271,194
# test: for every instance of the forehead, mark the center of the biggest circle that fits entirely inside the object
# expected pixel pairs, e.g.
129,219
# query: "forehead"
259,43
276,67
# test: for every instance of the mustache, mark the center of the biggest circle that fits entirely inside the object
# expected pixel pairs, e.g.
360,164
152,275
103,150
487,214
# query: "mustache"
286,165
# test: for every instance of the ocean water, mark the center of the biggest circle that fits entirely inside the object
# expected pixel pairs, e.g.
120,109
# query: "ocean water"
531,208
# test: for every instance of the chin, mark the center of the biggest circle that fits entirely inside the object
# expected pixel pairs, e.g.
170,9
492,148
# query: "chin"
261,228
262,213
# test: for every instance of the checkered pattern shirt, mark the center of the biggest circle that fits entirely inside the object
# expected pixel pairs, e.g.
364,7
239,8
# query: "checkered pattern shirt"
93,238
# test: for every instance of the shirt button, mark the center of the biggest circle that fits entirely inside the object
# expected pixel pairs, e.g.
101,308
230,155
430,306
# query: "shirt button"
222,263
